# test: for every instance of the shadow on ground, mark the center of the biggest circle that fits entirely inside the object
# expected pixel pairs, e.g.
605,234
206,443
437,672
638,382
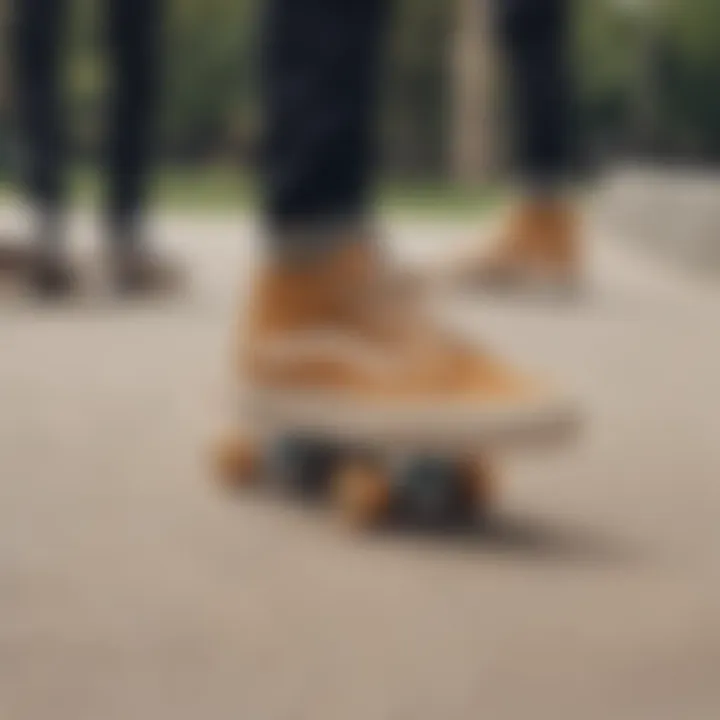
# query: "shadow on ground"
523,537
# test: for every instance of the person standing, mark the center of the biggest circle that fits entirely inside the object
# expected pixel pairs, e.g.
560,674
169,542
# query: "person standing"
133,30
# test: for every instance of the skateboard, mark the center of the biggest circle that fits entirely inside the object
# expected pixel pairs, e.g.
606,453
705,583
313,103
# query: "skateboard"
365,487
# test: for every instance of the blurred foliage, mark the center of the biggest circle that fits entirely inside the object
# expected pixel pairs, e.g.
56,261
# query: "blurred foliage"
648,72
691,65
416,90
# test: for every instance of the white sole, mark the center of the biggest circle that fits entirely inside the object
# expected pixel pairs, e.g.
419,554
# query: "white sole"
449,427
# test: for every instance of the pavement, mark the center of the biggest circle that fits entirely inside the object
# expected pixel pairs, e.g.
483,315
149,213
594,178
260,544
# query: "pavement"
131,587
670,211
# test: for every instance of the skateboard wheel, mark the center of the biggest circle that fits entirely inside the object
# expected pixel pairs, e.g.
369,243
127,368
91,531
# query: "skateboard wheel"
433,491
362,494
237,461
301,467
478,475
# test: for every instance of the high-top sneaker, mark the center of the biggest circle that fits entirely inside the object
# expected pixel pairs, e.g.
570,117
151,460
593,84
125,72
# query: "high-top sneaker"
334,348
538,250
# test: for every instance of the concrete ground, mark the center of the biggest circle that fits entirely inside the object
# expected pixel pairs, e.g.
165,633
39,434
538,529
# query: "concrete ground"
673,212
130,587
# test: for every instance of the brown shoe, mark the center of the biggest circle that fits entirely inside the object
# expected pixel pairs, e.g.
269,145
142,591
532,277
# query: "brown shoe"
334,348
539,249
46,270
15,258
139,271
52,276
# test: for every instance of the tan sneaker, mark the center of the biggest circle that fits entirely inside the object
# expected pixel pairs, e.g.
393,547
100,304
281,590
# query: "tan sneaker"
539,250
335,350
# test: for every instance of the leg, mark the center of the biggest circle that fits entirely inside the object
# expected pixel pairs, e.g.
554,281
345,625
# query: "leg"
320,77
540,248
38,33
535,38
134,38
134,41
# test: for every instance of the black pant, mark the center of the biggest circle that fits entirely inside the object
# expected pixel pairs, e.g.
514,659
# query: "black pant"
535,40
132,38
321,69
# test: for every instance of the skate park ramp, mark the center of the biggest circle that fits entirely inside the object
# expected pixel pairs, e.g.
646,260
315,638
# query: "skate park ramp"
131,587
